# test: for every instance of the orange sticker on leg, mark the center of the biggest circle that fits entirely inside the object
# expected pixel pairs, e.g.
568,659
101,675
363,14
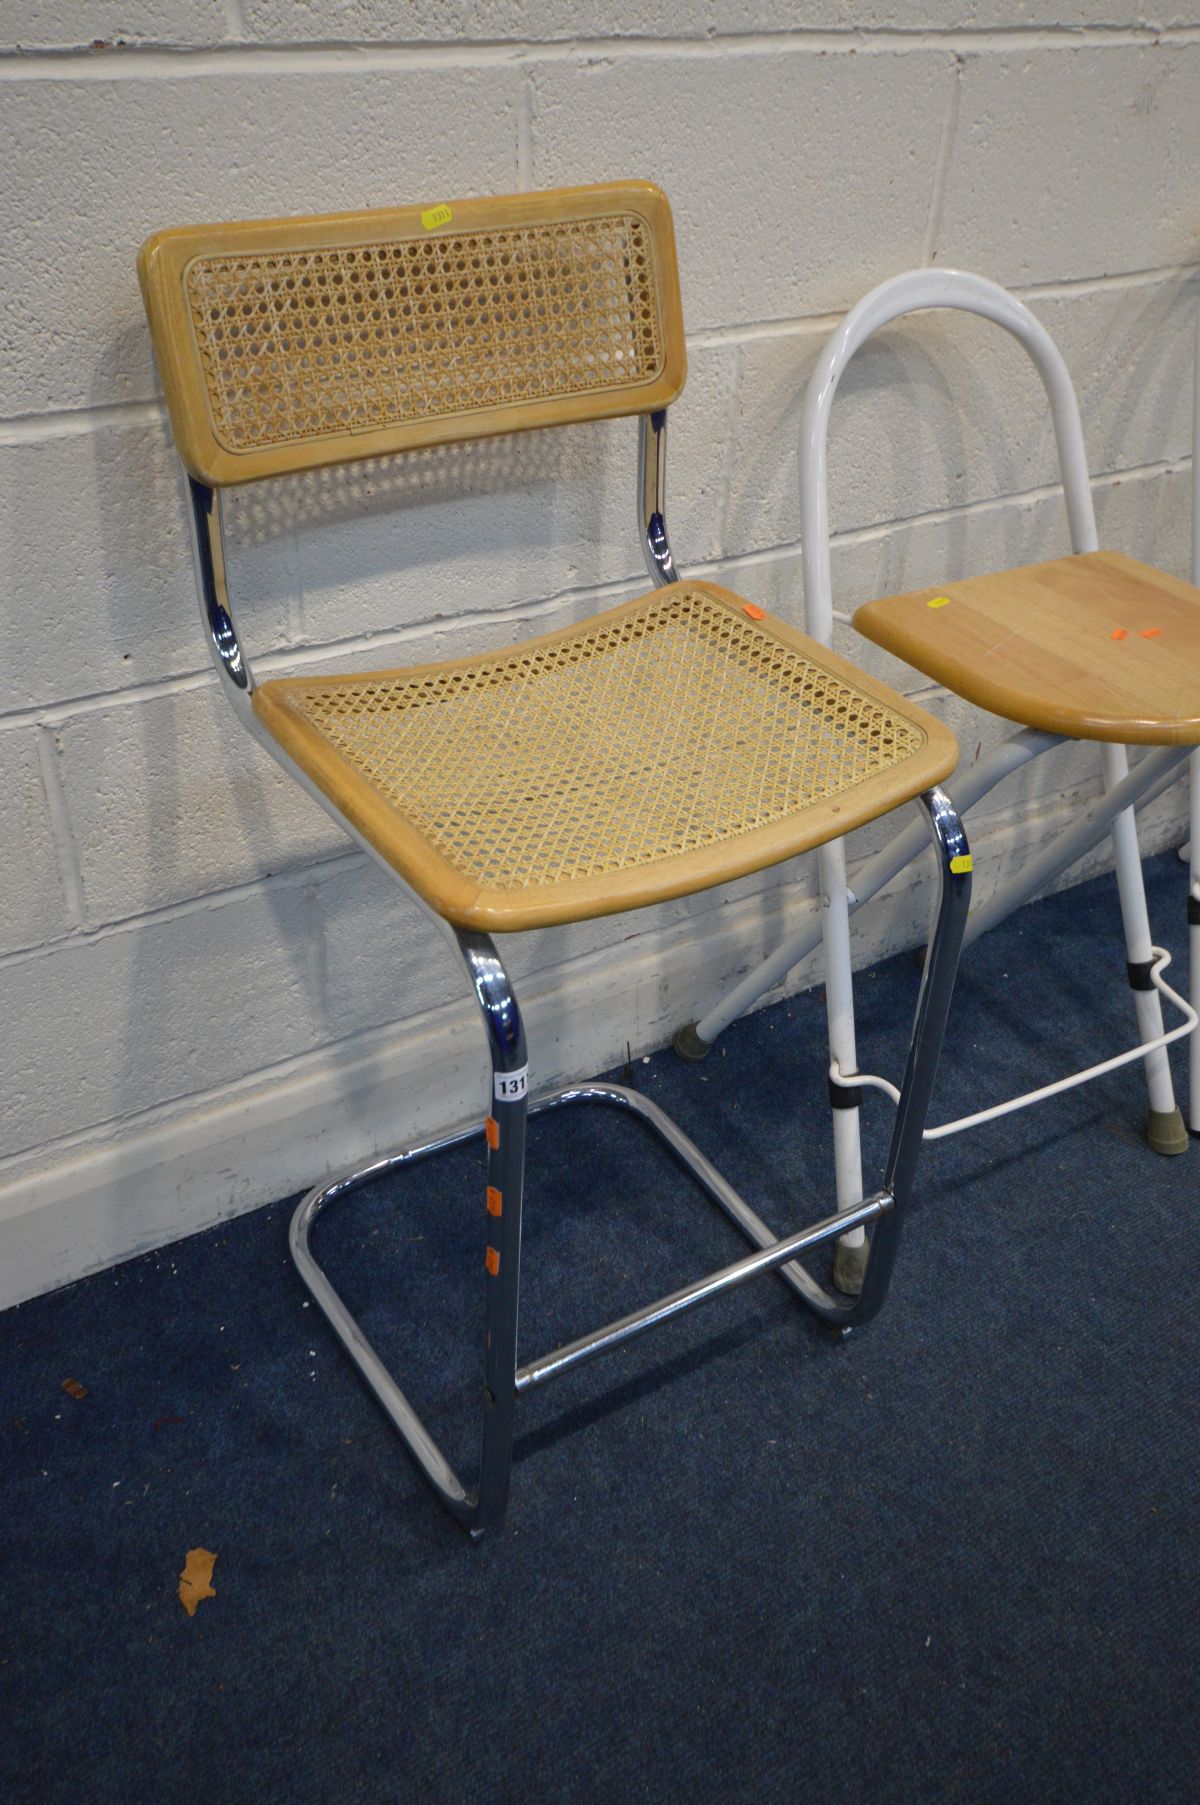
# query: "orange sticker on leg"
495,1202
491,1260
492,1129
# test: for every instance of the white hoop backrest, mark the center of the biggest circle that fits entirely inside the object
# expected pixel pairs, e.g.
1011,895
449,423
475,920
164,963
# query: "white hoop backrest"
890,301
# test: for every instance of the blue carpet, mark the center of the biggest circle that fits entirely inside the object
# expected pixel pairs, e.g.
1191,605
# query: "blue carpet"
952,1558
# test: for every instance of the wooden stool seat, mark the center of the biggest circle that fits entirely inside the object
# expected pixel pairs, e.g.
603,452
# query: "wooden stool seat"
1097,646
672,743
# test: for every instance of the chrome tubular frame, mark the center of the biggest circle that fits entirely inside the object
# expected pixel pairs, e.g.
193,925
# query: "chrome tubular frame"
652,498
481,1507
485,1505
208,557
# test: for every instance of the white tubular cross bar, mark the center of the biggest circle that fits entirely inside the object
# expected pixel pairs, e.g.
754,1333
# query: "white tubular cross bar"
1148,779
1160,961
970,786
1155,773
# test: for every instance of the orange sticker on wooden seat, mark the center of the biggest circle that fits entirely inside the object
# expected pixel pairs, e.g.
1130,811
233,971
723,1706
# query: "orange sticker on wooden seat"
1151,632
1120,633
754,612
495,1201
492,1261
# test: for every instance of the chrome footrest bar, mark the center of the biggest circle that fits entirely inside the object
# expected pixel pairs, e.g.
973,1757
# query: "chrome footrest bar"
600,1341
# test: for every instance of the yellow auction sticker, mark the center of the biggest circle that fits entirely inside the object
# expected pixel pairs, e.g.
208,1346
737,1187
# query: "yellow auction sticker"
939,601
436,216
964,862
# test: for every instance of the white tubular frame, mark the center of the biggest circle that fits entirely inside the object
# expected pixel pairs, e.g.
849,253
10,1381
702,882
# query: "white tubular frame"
889,302
917,290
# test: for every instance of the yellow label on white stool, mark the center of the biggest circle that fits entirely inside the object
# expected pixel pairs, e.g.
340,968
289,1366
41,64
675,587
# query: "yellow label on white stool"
963,862
436,216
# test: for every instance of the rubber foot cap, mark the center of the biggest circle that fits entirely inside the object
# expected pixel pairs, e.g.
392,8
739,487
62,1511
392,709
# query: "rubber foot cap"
850,1267
689,1045
1165,1131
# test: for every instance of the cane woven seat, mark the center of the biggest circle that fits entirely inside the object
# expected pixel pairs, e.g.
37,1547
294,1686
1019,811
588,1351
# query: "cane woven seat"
672,743
1096,646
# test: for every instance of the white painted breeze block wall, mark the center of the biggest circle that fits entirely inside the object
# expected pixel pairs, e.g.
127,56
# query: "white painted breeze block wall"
209,999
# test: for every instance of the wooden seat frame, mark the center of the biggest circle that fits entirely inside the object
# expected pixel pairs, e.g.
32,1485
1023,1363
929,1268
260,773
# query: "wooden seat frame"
1113,813
226,443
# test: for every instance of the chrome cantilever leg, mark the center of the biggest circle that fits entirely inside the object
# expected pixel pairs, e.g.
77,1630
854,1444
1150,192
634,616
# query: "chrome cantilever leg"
924,1051
484,1506
882,1214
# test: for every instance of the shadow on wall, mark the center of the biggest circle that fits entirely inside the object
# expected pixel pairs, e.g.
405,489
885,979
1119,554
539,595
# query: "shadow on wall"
486,524
341,493
1145,398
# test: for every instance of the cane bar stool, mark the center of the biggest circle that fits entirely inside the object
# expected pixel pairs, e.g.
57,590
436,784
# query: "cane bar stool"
1091,647
657,749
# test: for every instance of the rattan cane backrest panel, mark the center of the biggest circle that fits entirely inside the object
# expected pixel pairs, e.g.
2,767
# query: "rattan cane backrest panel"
657,731
289,343
308,343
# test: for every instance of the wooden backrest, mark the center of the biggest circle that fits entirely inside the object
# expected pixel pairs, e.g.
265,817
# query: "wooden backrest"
290,343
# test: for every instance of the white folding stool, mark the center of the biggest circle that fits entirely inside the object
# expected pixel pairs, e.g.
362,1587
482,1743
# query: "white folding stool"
1072,666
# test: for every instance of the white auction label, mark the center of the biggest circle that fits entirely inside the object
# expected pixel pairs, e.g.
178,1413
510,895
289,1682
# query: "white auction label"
510,1087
